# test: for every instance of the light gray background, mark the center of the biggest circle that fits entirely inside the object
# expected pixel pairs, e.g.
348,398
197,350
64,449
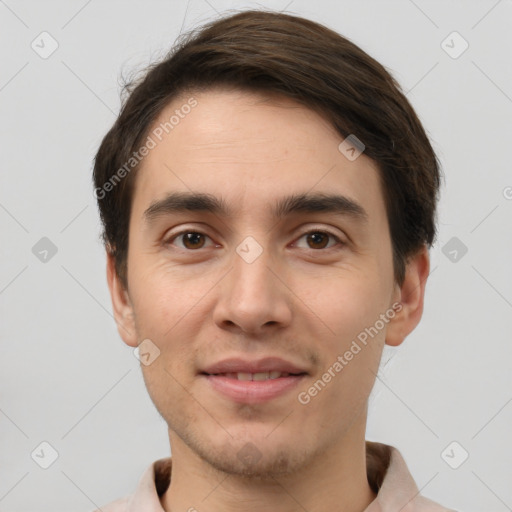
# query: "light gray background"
66,376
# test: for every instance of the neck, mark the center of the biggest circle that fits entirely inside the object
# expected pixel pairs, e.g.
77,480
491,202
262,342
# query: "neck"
333,479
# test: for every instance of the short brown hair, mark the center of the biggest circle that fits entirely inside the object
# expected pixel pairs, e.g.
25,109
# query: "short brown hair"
273,52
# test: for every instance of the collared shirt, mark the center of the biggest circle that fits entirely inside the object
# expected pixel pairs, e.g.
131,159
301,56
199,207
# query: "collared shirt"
387,472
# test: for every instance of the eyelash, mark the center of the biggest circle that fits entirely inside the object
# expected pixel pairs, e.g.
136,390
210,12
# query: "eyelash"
320,231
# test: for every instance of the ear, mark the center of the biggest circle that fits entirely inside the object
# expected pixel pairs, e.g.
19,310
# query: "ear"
121,305
410,295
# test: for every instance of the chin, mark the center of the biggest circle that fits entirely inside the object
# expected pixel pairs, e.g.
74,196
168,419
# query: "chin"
254,463
256,453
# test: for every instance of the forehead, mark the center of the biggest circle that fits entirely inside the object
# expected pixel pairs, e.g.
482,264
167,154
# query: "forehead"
251,150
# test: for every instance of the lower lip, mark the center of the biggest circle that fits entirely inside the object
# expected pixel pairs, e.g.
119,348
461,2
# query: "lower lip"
253,391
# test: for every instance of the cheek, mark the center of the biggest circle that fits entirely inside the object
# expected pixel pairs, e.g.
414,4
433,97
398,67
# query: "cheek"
160,297
340,393
166,311
350,312
167,390
347,303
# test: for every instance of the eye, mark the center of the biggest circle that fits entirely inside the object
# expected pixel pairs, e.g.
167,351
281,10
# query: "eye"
193,240
190,240
319,239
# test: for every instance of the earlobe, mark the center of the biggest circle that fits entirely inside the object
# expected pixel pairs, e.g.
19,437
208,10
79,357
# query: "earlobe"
121,305
410,295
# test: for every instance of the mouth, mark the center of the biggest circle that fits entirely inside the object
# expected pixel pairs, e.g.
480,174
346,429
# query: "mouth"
252,381
253,388
259,376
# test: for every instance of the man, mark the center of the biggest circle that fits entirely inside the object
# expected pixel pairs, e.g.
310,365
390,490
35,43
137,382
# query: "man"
268,197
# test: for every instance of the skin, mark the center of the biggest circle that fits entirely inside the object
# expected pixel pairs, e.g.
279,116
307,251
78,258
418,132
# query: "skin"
298,300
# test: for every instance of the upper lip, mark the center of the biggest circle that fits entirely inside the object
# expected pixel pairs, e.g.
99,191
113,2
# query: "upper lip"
267,364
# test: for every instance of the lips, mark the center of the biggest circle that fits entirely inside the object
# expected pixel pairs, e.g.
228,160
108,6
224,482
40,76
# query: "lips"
261,369
252,392
255,376
253,382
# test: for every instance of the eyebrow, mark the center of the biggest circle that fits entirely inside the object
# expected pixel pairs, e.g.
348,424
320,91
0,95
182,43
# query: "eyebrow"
179,202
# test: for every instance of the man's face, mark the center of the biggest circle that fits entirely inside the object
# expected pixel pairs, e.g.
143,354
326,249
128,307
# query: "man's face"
321,278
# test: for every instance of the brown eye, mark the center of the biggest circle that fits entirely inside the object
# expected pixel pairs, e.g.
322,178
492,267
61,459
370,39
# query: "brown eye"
317,239
193,240
190,240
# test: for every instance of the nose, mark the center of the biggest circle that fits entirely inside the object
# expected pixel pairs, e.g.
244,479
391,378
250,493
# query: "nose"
253,297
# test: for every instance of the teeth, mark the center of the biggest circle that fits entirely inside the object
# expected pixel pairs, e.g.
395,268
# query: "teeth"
255,376
260,376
